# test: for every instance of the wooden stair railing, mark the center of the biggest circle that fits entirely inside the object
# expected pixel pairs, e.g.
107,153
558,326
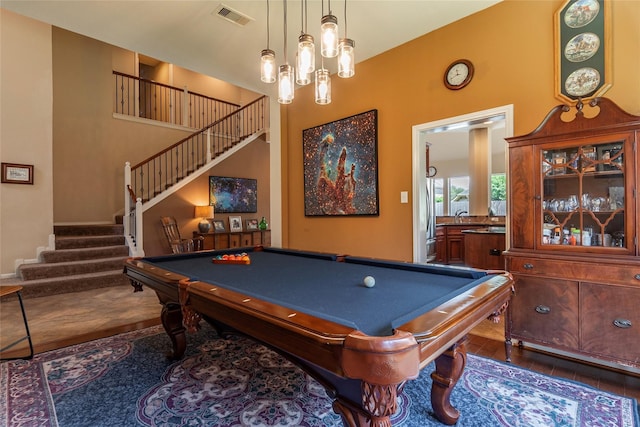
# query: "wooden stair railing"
139,97
159,172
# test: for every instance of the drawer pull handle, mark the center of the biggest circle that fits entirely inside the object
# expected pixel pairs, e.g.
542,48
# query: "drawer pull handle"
637,276
495,252
543,309
622,323
528,266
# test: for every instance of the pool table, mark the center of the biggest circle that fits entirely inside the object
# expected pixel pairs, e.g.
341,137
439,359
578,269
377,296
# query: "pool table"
361,343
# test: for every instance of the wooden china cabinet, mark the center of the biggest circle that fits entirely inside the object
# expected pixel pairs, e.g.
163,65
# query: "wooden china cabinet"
573,251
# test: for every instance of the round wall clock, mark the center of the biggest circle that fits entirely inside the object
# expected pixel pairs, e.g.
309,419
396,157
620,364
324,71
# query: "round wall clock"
458,74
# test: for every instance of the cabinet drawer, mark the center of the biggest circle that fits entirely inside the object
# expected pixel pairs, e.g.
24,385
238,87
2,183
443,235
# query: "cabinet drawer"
611,321
577,270
545,311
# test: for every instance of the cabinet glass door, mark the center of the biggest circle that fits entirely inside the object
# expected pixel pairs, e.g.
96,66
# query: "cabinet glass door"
583,197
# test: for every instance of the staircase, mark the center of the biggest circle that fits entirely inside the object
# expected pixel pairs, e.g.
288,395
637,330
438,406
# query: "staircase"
86,257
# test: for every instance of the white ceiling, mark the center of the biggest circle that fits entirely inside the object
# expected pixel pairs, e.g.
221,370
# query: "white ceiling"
191,35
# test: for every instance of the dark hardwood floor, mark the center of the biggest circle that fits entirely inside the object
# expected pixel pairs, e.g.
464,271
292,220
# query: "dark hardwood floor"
617,382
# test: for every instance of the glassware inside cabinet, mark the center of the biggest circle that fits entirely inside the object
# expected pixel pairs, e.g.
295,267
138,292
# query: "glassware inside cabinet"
583,198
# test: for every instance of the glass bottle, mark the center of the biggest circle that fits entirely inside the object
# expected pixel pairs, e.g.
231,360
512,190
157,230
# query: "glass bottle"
263,224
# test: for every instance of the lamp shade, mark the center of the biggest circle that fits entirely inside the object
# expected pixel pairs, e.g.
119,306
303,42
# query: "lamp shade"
204,211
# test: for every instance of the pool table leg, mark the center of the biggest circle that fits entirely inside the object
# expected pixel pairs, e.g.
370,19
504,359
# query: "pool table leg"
449,367
171,317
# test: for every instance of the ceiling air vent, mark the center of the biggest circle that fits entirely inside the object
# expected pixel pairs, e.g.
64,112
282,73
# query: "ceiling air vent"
231,15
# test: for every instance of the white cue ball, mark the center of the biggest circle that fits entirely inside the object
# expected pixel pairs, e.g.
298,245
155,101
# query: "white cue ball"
369,281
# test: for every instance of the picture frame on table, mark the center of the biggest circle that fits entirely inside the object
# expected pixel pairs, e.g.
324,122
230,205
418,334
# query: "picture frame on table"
14,173
219,226
235,224
252,224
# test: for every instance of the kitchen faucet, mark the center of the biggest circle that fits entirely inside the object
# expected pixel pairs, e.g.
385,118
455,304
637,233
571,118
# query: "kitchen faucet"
457,218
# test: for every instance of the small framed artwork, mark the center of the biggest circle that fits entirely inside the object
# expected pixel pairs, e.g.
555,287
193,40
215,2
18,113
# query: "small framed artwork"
235,223
218,226
252,224
13,173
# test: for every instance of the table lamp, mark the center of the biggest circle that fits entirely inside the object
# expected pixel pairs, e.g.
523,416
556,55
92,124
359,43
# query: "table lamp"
204,212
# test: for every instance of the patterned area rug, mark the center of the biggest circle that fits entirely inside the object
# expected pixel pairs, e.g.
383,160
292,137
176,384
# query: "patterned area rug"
126,380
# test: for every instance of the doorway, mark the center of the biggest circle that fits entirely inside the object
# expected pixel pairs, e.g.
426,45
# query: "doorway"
419,168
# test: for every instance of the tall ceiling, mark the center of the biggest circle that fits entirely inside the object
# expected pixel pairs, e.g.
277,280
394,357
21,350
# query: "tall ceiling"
192,35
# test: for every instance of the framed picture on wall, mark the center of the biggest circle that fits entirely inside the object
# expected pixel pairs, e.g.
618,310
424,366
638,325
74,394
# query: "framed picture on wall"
341,167
13,173
235,223
233,195
582,49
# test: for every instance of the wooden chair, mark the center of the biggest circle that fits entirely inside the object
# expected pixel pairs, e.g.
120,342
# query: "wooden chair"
177,244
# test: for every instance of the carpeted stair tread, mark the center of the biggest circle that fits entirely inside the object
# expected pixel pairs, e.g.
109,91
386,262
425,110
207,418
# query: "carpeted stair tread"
85,257
78,254
89,241
88,230
75,283
70,268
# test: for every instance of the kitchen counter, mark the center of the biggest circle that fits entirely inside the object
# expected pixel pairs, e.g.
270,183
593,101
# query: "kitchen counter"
487,230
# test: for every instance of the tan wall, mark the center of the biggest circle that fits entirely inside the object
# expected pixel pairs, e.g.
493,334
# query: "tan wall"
511,45
26,211
88,141
57,115
91,143
251,161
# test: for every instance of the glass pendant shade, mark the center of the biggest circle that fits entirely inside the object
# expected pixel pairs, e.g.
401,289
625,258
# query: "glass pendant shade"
302,79
346,59
285,84
329,36
323,87
268,66
306,54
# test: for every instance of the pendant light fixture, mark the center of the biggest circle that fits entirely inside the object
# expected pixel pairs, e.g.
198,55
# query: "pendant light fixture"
323,86
285,74
329,34
346,59
268,59
306,55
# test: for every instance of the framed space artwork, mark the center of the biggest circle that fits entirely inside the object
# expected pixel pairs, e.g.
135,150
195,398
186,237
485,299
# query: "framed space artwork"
233,195
341,167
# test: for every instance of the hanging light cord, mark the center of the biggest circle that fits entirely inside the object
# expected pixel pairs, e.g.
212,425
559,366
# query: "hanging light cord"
345,19
285,31
267,24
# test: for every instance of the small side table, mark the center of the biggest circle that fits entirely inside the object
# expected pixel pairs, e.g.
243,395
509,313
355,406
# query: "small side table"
13,289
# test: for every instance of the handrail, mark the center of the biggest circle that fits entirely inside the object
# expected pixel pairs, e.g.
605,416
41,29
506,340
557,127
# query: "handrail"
166,168
194,134
139,97
118,73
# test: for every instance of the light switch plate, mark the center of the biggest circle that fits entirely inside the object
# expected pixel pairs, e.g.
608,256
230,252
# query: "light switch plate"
404,197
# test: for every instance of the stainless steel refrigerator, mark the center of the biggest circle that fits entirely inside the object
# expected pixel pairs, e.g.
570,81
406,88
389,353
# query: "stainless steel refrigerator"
431,217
